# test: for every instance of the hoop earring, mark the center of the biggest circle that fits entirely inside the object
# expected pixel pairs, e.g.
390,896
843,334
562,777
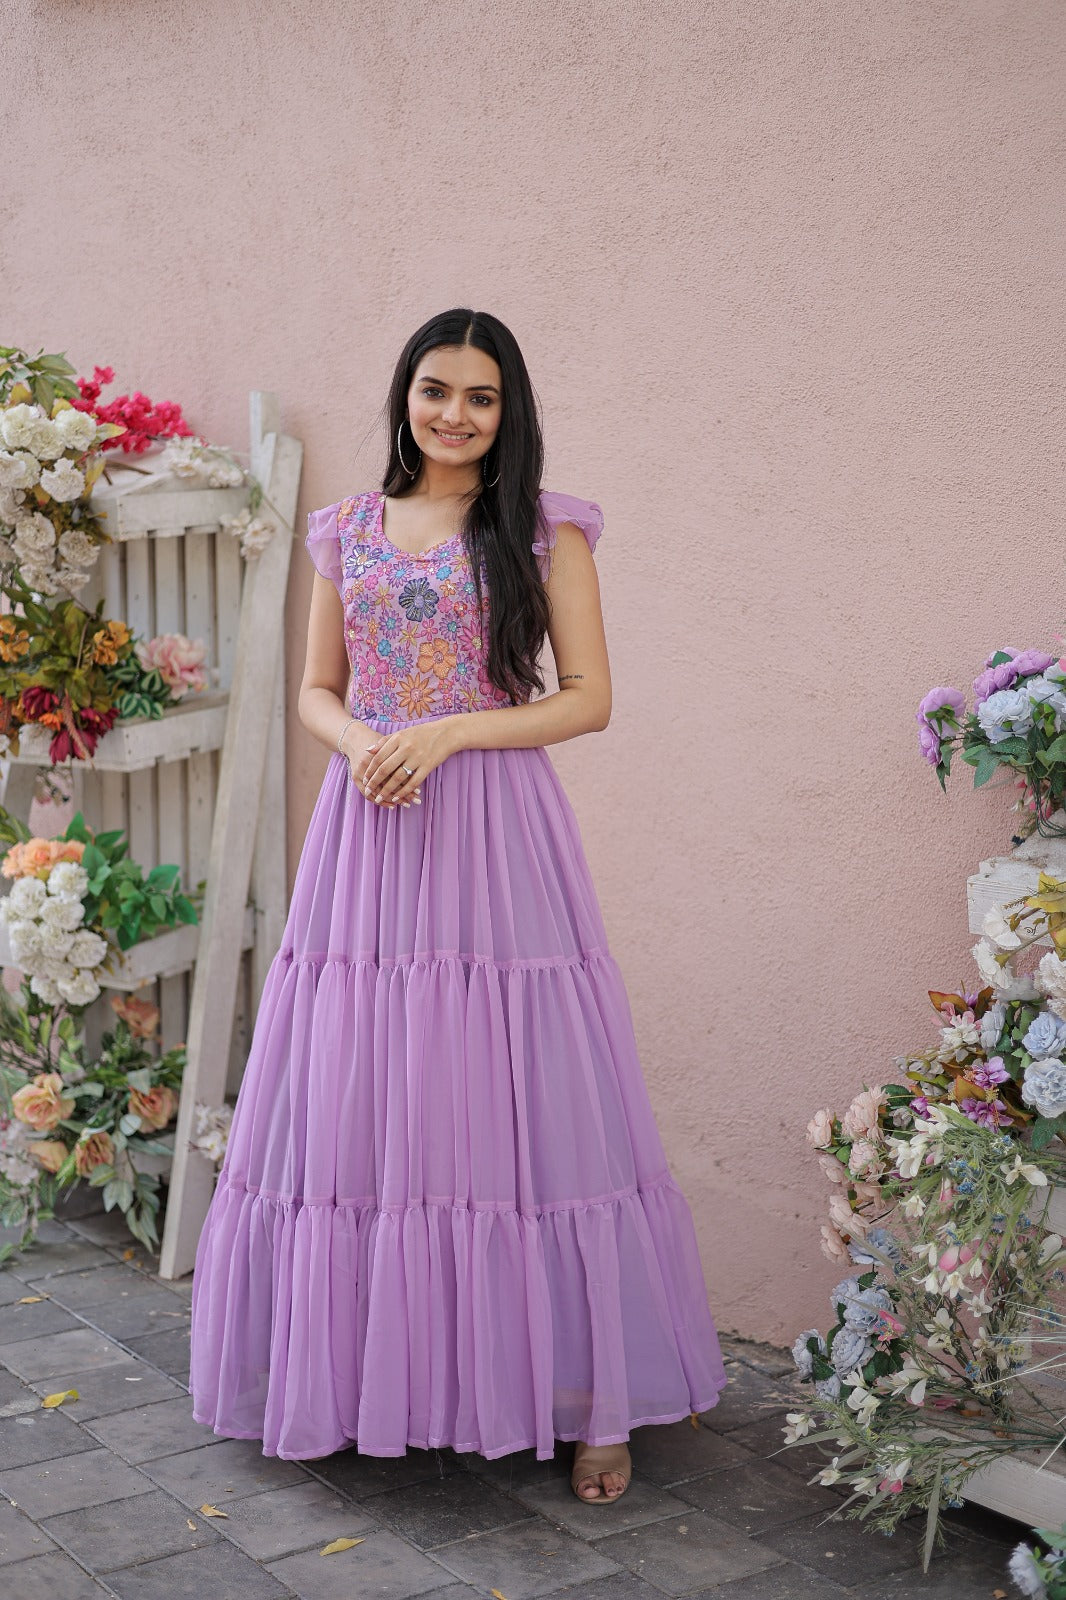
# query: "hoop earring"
489,482
410,471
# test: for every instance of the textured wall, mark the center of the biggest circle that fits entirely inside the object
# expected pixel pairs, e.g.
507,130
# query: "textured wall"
788,278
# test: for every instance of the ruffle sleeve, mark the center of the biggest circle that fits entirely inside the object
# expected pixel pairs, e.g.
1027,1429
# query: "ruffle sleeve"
323,543
556,508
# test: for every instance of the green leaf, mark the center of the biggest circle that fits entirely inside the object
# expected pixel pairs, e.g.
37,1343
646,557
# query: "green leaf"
986,766
1045,1129
932,1517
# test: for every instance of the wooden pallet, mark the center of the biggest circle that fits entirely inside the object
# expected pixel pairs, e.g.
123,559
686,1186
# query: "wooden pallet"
204,785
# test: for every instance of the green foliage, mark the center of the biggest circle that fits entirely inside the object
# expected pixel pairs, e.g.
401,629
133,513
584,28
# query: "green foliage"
48,377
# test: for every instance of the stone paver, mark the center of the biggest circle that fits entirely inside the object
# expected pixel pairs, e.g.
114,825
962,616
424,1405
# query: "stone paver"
110,1486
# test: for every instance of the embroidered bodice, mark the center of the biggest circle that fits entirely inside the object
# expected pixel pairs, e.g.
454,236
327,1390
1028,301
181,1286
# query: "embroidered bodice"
416,639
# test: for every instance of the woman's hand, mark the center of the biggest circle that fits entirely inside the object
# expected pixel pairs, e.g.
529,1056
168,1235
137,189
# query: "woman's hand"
420,747
358,763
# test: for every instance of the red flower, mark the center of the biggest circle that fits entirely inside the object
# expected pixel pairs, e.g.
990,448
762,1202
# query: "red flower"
143,421
35,702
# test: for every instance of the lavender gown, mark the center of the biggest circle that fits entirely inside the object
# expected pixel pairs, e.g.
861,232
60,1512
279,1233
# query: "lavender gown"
445,1216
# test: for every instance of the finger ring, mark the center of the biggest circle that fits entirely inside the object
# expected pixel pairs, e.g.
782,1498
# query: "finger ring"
410,771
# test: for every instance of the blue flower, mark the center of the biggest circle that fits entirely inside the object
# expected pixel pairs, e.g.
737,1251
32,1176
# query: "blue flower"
384,647
1046,1035
418,600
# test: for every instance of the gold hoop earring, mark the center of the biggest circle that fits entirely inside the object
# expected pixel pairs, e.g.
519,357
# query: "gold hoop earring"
410,471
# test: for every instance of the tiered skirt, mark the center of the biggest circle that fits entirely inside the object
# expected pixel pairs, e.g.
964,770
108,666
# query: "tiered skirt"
445,1215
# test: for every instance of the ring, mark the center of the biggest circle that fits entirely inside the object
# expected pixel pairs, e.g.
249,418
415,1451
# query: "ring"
409,770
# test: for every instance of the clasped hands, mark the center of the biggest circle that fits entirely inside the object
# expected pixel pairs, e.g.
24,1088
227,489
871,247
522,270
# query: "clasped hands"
379,771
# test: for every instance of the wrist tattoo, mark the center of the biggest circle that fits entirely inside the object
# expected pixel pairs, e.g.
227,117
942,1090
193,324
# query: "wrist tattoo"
566,675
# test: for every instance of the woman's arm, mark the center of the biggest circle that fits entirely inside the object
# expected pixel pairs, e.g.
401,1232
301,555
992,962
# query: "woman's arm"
582,703
322,703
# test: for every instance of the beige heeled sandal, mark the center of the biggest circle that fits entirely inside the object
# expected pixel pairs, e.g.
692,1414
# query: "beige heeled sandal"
596,1459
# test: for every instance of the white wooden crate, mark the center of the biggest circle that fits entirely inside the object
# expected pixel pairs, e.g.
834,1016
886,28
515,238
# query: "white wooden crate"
188,728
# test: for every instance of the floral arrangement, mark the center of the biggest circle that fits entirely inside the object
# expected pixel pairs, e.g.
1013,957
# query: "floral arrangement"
75,901
76,673
67,1117
940,1183
138,423
1018,721
1041,1574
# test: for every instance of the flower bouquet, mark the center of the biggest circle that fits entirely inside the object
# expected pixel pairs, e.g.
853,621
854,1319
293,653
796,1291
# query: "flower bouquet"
1018,721
1041,1574
940,1183
68,1116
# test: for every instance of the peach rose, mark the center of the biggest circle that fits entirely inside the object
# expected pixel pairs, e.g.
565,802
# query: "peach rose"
820,1130
865,1161
90,1152
40,1104
51,1153
834,1170
862,1118
833,1246
155,1108
36,857
843,1218
140,1016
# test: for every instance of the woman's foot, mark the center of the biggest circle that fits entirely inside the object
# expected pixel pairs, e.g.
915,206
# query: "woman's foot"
601,1472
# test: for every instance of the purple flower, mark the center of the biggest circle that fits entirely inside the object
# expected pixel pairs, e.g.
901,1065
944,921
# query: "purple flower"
984,1112
929,744
938,712
1030,661
991,1072
1022,664
920,1105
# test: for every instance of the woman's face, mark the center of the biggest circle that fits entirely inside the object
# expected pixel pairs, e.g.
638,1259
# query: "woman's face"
455,403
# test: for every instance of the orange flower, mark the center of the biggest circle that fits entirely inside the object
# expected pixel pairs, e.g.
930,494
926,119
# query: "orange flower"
14,641
140,1016
40,1104
108,641
155,1108
36,857
91,1152
51,1153
415,695
438,657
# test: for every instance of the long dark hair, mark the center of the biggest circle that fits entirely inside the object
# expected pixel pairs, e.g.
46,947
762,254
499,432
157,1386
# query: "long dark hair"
502,520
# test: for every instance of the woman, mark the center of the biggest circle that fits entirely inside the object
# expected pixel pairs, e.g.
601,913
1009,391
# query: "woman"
445,1216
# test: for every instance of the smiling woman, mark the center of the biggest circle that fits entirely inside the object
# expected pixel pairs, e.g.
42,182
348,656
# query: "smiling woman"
445,1215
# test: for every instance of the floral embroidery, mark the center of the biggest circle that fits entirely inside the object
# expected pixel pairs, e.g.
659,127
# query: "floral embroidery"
416,640
418,599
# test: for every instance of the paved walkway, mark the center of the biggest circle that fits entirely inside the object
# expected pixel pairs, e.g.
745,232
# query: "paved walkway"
103,1495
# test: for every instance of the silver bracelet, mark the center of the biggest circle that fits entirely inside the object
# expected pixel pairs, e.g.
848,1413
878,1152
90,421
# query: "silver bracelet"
343,731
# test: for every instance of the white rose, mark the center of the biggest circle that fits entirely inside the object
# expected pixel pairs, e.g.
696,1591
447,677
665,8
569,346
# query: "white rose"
18,469
87,949
80,989
38,579
1051,976
68,880
1002,979
55,941
77,549
27,897
12,502
64,482
62,915
76,428
996,928
45,989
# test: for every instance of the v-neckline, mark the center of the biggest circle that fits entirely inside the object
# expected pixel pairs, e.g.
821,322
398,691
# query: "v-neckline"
413,555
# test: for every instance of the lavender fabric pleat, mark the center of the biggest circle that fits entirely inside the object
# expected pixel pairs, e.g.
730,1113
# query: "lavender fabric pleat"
445,1215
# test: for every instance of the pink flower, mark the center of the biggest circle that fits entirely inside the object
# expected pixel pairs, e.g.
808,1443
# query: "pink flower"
178,660
820,1130
834,1170
833,1245
862,1118
865,1160
891,1486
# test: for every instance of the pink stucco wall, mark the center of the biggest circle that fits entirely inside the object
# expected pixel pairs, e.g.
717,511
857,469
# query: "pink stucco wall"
789,281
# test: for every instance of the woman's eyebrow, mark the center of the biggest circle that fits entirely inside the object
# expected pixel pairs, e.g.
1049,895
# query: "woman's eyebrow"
426,378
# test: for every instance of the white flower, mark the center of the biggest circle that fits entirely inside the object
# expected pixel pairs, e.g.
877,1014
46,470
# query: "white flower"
18,470
1025,1169
909,1155
864,1485
913,1206
55,942
828,1388
77,549
828,1475
802,1356
88,949
77,429
38,579
1026,1574
960,1039
80,989
68,880
62,915
35,534
46,990
64,482
1051,976
11,501
1002,979
24,939
996,928
71,578
1044,1086
851,1350
26,427
992,1026
27,897
799,1425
